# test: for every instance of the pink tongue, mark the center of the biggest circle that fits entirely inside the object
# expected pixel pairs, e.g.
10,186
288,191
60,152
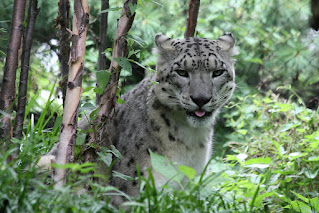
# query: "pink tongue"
199,113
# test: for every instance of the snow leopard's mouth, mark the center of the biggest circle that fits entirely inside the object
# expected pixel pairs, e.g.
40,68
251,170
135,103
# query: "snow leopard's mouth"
199,114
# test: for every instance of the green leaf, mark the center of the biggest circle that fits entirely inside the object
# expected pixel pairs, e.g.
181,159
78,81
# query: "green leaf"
242,131
258,162
115,152
314,203
83,168
103,77
132,7
137,40
286,127
306,200
311,174
105,157
2,53
255,60
122,176
299,207
313,158
295,155
165,167
80,138
124,63
111,9
188,171
266,160
260,198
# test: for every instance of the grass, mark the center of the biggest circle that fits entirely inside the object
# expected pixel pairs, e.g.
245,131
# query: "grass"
272,167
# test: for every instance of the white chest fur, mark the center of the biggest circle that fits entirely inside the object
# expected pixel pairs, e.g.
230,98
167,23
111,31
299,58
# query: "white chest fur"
193,147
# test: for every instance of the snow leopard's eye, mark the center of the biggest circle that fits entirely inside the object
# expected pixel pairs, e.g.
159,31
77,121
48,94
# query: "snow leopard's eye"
182,73
217,73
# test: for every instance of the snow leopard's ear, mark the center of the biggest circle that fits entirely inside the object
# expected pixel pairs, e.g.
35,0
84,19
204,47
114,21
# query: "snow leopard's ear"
227,43
163,44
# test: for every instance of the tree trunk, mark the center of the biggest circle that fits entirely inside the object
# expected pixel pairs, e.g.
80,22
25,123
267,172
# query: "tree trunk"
63,22
68,130
102,61
8,90
108,99
25,61
192,18
314,20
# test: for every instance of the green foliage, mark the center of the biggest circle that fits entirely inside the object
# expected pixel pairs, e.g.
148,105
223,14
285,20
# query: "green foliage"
276,145
273,168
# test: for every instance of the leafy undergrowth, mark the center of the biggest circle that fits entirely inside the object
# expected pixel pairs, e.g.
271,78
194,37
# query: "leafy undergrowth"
273,167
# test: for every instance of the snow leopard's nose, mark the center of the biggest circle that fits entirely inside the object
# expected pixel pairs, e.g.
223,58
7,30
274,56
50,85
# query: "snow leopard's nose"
200,100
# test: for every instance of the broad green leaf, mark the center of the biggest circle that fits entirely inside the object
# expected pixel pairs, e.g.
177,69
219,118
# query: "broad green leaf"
314,203
80,138
115,152
295,155
137,40
260,198
306,200
124,63
105,157
258,165
242,156
103,77
266,160
311,174
188,171
299,207
242,131
313,158
165,167
286,127
132,7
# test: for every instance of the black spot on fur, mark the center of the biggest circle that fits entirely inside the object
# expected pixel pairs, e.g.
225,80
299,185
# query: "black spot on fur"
114,141
171,137
154,126
134,182
123,150
153,149
130,162
133,126
165,119
156,104
138,144
115,122
123,188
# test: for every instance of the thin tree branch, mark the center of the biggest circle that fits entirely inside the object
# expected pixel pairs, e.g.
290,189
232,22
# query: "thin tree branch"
192,18
8,90
314,19
25,61
102,61
68,130
63,22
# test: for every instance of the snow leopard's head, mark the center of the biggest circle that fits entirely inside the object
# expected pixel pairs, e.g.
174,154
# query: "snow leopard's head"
195,75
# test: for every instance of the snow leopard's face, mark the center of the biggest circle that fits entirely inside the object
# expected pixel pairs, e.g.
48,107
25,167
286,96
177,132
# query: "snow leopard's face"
195,75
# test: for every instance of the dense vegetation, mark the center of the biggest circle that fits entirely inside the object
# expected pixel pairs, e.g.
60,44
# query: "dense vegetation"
267,139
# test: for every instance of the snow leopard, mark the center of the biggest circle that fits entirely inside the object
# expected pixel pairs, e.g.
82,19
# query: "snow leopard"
173,112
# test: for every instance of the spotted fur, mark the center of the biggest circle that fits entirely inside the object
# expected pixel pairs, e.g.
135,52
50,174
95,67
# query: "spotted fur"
173,112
